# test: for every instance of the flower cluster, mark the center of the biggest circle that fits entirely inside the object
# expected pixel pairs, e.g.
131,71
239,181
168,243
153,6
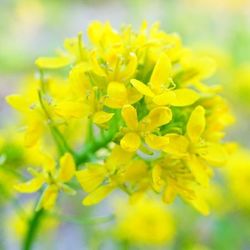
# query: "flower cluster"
127,110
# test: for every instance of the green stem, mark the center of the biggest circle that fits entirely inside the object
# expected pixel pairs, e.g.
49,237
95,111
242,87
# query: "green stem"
94,145
91,148
32,230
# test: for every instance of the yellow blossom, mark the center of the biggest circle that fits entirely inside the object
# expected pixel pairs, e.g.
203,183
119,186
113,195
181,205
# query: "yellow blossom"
146,222
160,89
237,174
54,179
101,179
132,109
135,130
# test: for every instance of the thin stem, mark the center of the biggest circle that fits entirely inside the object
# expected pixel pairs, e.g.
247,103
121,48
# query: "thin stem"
90,132
91,148
32,230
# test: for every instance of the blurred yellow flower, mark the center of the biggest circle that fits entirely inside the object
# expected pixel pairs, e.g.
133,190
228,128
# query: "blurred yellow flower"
146,222
237,174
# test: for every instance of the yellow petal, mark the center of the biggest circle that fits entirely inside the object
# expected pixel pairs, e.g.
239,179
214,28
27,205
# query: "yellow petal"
129,115
199,204
95,32
67,167
133,95
47,162
166,98
184,97
142,88
49,197
130,142
95,65
156,142
18,102
117,95
214,154
161,74
71,109
102,117
135,170
30,186
177,146
79,79
52,62
33,133
91,177
118,157
157,117
199,170
98,195
197,68
130,68
196,123
117,90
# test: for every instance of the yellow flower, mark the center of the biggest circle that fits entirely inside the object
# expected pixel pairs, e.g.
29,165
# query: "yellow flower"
101,179
173,177
103,35
136,130
146,222
219,118
239,89
237,175
34,118
194,70
159,86
196,151
119,95
80,85
52,62
54,179
196,155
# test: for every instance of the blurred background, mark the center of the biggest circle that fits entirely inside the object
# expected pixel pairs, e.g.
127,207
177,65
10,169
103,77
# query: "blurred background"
218,28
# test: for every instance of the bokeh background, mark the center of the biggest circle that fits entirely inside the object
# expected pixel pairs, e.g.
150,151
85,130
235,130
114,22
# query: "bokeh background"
218,28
